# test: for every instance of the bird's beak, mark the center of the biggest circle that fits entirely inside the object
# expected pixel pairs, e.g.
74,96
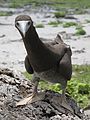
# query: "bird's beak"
23,27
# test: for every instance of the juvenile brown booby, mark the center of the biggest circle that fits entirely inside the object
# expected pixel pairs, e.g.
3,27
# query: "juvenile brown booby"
49,61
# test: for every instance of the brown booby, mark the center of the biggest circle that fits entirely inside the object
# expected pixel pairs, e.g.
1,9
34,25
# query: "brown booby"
49,61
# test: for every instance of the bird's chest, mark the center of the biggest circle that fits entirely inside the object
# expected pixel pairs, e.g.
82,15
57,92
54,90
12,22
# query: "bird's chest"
51,75
43,60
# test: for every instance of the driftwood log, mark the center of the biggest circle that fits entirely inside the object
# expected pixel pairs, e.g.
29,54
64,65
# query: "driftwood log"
13,87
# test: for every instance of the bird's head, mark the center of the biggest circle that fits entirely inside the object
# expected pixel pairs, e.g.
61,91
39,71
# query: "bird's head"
23,24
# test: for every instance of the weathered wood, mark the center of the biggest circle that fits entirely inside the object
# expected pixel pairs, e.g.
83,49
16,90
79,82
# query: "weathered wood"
13,87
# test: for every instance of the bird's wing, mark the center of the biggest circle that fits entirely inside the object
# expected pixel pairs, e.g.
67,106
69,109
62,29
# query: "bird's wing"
65,65
64,51
58,39
58,46
28,66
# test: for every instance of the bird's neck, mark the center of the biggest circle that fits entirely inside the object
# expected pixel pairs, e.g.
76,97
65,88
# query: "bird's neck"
32,42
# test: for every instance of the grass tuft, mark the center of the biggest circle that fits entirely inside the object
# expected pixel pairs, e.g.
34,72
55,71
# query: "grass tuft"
80,31
87,20
60,14
55,23
5,13
69,24
40,25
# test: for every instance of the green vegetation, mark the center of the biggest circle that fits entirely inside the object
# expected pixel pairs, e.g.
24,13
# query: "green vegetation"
27,75
87,20
19,3
80,11
62,5
78,87
5,13
40,25
80,31
55,23
60,14
69,24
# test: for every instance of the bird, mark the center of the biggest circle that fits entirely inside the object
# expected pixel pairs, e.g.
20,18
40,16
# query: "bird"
50,61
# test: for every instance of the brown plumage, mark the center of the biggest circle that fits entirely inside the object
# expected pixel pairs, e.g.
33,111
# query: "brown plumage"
50,61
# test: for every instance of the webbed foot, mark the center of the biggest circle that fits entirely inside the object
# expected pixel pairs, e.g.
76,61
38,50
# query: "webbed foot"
31,99
66,105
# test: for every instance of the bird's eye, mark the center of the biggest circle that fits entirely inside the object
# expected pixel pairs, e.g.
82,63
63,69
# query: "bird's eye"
29,23
17,23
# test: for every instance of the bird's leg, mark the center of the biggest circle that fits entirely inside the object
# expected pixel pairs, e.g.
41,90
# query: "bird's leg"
35,96
64,102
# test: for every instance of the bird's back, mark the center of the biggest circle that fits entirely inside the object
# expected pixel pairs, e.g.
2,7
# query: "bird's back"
58,47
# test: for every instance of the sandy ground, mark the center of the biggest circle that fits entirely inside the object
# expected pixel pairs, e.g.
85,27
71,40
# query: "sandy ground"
12,51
